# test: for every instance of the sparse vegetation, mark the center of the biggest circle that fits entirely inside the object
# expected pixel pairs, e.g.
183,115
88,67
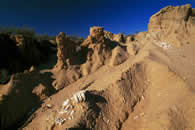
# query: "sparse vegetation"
26,31
30,32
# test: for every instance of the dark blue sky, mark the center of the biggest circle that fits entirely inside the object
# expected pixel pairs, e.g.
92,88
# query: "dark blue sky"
75,17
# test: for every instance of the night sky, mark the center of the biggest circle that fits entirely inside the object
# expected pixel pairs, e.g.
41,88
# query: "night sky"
75,17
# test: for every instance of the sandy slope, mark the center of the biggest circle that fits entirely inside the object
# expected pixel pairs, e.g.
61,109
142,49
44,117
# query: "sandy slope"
166,98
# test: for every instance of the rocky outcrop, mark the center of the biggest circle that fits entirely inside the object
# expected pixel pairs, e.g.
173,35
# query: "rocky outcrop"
93,53
33,50
27,47
115,37
108,35
96,34
99,50
174,25
162,20
119,38
95,37
66,49
66,71
19,53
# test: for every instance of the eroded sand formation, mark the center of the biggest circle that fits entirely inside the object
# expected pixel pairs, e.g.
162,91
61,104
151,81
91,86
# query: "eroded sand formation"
142,81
